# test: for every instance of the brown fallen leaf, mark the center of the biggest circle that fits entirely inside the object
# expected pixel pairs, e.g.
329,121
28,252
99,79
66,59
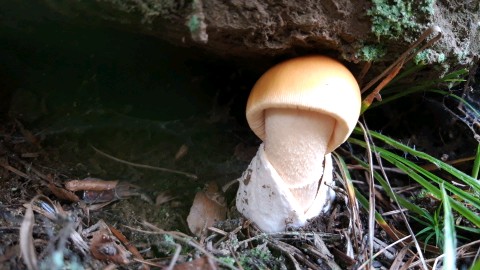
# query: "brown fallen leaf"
131,248
207,208
104,245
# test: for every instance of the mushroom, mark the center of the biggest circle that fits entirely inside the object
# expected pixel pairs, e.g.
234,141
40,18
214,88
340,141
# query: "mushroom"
302,109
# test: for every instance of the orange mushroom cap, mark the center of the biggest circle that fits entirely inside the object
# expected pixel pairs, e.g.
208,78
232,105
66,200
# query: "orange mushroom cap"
313,83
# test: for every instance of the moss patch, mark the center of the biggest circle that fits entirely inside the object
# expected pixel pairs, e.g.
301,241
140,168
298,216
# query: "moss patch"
391,18
371,52
429,56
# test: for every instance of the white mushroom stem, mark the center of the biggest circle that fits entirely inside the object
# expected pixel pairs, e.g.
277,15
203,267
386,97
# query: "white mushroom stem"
295,144
263,197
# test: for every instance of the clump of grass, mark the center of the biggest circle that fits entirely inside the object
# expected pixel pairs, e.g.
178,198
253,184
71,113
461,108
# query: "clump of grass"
454,215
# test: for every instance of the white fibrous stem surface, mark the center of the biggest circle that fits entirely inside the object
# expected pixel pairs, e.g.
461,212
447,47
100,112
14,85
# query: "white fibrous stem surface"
295,144
264,198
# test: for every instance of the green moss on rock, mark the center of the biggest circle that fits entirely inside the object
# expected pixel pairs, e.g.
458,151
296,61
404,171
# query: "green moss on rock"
371,52
391,18
429,56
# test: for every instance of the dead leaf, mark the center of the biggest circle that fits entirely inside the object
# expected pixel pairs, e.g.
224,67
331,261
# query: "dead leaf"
208,207
133,250
105,246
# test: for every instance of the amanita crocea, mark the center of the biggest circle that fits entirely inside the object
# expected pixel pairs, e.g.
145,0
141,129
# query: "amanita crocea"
302,109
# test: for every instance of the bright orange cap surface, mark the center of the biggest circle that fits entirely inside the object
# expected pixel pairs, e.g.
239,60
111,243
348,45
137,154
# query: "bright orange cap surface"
314,83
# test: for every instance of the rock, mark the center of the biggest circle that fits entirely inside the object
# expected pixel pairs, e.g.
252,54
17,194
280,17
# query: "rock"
355,30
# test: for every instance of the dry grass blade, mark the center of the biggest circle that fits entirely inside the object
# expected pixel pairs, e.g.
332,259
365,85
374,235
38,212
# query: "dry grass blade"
382,251
408,264
399,259
354,212
404,217
189,175
371,201
395,234
460,250
27,247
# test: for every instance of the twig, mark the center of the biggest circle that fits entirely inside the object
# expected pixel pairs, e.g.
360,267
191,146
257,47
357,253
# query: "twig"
15,171
143,166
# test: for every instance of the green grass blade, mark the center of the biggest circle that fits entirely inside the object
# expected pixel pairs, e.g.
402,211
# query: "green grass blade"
459,175
464,195
450,243
388,190
460,208
476,265
395,91
418,173
476,164
469,229
364,203
413,171
467,104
